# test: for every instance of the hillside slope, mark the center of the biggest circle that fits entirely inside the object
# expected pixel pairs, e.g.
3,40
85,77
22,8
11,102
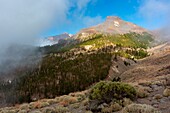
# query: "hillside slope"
155,66
150,76
74,65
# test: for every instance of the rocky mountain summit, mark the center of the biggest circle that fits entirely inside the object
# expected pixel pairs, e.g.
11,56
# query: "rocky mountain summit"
112,25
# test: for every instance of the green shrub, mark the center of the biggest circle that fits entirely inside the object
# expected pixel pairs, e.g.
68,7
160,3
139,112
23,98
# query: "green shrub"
108,91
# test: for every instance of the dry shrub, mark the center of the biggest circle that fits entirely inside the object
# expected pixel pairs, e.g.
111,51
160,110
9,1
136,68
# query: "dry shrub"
61,109
139,108
141,92
80,95
126,102
112,108
23,111
37,111
166,92
48,110
66,100
116,107
61,98
85,102
75,106
63,103
52,101
72,100
38,104
24,106
107,110
9,111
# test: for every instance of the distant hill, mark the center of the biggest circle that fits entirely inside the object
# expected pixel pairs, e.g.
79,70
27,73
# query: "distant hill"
51,40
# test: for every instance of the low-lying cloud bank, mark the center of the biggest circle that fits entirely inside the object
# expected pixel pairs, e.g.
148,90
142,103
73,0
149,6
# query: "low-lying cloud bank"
23,22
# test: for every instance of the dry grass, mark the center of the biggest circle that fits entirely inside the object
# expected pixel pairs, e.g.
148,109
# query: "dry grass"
24,106
126,102
141,92
112,108
61,109
139,108
38,104
48,110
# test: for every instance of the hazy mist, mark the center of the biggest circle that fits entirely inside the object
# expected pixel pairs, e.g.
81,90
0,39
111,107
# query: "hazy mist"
23,22
156,14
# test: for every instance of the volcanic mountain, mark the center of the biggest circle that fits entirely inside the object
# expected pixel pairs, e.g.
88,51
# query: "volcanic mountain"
112,25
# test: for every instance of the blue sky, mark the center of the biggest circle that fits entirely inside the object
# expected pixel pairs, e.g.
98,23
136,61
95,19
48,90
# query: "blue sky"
25,21
97,11
93,12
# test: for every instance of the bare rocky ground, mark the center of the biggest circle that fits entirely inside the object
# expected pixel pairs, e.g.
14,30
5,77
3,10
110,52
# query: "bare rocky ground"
156,97
150,76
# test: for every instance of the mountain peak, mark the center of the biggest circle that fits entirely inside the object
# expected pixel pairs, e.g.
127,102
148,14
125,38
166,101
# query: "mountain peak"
113,25
113,18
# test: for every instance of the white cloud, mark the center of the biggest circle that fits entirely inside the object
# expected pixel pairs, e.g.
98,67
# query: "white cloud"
21,21
90,21
151,9
82,4
156,14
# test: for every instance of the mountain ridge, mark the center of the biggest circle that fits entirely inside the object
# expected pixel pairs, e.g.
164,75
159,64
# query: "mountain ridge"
112,25
51,40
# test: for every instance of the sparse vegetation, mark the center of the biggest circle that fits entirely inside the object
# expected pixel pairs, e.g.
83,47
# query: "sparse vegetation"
139,108
166,92
141,92
133,40
61,109
71,68
112,90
